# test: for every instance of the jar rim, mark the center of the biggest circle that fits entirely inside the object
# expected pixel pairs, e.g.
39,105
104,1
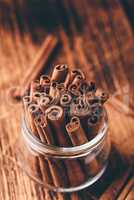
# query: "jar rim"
53,150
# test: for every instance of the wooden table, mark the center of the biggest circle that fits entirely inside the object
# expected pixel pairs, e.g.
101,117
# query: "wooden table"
93,36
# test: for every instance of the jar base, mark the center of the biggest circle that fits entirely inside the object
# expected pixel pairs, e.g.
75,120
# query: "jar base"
88,183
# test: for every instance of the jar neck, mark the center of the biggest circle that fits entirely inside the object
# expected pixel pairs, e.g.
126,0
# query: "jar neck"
65,152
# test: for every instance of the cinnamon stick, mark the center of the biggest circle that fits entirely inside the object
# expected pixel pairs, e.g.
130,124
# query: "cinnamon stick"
56,120
84,87
55,167
44,102
77,80
53,89
36,66
34,87
61,88
65,99
26,102
130,195
73,89
44,167
76,72
33,110
60,73
49,171
78,137
45,83
95,121
36,97
76,132
126,189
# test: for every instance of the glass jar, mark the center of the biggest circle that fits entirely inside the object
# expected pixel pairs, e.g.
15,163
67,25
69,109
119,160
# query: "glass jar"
64,169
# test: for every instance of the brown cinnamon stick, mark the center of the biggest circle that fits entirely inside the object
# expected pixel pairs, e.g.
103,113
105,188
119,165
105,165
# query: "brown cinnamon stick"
60,73
58,176
36,97
53,89
45,83
73,89
76,132
44,165
26,102
76,72
37,64
95,121
56,120
130,195
55,117
33,110
61,87
77,80
84,86
78,137
45,102
126,189
34,87
65,99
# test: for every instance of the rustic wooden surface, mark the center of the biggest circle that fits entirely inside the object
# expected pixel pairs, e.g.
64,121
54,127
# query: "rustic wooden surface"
94,36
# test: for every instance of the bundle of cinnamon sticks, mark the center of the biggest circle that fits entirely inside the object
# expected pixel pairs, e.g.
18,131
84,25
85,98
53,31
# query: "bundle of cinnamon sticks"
64,110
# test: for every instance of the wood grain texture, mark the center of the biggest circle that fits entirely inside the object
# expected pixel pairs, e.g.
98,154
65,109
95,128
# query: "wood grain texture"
96,38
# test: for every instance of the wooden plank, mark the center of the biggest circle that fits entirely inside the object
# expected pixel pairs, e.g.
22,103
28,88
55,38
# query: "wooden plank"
91,44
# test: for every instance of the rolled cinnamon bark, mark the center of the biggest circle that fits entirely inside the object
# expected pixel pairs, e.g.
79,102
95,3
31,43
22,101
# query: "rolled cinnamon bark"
36,97
95,122
35,87
56,168
84,87
60,73
53,89
45,83
45,102
76,132
65,100
74,73
26,102
66,82
78,137
61,87
126,189
80,109
33,110
77,80
45,133
92,87
55,117
56,121
73,89
44,79
54,92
